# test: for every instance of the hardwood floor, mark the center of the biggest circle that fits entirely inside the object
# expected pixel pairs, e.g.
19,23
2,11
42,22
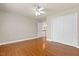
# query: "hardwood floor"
36,48
57,49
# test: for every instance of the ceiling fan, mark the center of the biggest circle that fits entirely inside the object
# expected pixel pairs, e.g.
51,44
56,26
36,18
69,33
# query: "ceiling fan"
38,10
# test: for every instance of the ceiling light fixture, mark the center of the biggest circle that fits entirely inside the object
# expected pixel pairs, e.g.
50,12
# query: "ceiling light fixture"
38,10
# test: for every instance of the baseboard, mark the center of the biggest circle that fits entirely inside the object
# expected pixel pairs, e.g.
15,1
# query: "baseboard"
77,46
10,42
64,43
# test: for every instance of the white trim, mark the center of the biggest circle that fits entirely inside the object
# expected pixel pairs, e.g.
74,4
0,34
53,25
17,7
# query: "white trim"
64,43
77,46
4,43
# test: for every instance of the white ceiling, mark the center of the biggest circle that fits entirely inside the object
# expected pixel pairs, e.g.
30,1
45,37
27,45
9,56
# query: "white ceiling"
26,8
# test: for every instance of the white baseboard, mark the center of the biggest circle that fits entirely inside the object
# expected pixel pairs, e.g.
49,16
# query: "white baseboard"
3,43
77,46
64,43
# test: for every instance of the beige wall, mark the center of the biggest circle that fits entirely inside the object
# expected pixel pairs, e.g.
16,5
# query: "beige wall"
16,27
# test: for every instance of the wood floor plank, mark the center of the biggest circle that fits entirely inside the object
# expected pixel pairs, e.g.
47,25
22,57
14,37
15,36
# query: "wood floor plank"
34,47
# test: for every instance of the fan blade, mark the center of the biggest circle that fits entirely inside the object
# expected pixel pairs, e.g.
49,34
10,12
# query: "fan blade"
37,13
42,12
40,9
34,10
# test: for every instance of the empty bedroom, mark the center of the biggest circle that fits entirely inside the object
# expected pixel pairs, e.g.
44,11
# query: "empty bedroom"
39,29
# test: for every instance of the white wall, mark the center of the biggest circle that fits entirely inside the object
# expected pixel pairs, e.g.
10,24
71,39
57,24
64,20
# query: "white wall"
63,29
41,33
16,27
78,28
